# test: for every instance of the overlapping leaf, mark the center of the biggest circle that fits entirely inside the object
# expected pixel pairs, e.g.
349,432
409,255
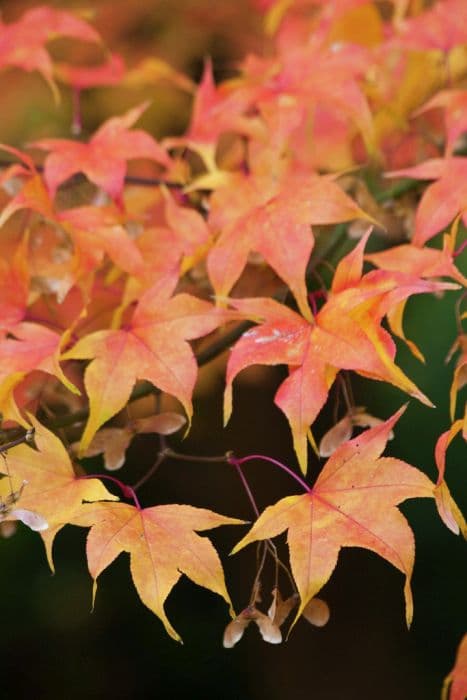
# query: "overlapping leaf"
23,43
442,201
163,545
103,159
154,348
278,227
51,487
345,334
352,504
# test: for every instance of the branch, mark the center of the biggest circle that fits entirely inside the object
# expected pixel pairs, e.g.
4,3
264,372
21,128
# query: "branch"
129,179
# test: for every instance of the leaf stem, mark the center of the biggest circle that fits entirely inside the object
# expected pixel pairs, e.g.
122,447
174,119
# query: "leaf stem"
128,491
242,460
160,458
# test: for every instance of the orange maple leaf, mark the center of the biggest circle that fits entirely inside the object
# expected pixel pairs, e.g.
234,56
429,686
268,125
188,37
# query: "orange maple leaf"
345,334
457,678
51,487
278,227
163,545
352,504
154,348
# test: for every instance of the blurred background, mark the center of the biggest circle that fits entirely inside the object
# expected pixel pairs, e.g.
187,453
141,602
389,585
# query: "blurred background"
53,647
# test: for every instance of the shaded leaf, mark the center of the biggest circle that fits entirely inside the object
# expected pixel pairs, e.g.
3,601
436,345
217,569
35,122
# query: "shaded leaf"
162,543
352,504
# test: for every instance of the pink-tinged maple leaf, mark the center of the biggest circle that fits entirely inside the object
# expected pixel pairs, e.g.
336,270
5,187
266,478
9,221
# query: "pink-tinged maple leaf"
442,201
52,489
93,230
352,504
30,347
345,334
420,262
33,195
215,111
154,347
22,43
163,544
442,27
279,228
81,77
103,159
454,103
457,678
447,508
332,84
99,230
189,229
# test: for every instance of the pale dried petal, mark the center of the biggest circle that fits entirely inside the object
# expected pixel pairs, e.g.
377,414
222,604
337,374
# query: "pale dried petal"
234,631
317,612
280,608
113,442
366,420
28,517
164,423
333,438
270,632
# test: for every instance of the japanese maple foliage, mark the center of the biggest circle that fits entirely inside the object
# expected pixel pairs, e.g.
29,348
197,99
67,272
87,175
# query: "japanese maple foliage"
249,232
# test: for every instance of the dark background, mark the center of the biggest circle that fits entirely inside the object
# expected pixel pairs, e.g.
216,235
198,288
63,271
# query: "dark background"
52,647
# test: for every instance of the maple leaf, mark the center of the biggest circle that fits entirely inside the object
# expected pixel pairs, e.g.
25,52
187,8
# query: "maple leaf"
448,510
278,227
442,201
163,545
14,285
154,348
332,84
111,72
103,159
459,379
33,195
457,678
454,103
52,489
345,334
421,262
215,111
22,43
352,504
30,347
442,27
